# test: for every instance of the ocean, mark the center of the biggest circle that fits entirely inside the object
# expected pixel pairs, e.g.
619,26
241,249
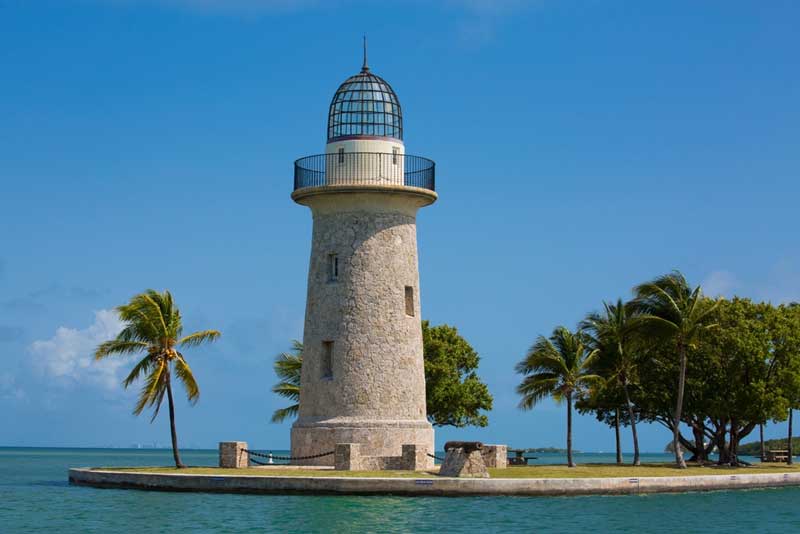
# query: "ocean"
35,497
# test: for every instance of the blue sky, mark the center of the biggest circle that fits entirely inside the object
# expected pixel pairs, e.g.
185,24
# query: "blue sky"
582,147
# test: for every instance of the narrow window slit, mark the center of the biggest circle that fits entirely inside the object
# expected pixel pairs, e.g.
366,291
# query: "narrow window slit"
327,360
333,267
410,301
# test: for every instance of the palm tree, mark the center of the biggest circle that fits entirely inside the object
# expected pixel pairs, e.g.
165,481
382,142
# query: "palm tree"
557,367
669,309
287,366
611,334
153,325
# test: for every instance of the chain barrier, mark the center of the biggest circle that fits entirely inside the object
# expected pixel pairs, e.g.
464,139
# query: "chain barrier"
435,457
287,458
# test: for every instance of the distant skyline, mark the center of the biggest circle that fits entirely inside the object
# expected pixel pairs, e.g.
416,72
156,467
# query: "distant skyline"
582,147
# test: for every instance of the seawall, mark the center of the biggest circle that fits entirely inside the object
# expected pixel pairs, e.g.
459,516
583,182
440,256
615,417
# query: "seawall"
425,486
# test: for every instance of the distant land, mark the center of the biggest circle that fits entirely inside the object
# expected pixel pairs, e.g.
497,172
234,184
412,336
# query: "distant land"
551,450
754,447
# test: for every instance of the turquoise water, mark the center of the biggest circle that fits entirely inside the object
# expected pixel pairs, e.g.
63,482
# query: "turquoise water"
35,497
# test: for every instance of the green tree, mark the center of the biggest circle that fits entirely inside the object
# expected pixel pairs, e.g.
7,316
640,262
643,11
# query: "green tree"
153,325
611,334
741,373
287,366
670,309
655,395
786,339
454,392
559,367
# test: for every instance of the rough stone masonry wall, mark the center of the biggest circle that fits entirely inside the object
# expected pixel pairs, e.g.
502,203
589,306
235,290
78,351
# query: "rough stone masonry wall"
348,457
495,456
459,463
376,396
232,454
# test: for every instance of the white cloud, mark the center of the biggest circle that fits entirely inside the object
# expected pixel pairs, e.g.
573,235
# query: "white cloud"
720,284
69,355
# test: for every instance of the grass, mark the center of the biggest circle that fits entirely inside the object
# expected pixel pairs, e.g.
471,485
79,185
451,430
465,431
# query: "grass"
533,471
627,471
257,471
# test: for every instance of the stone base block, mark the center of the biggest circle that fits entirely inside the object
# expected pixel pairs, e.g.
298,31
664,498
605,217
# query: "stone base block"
458,463
348,457
232,454
495,456
374,438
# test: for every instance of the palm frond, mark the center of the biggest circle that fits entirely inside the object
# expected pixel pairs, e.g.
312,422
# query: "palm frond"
543,355
116,346
143,366
287,390
556,366
198,338
534,389
184,373
153,300
566,344
281,414
288,366
157,402
589,360
143,317
153,384
654,325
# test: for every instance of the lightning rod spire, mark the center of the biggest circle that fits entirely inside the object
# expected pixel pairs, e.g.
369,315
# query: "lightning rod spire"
365,67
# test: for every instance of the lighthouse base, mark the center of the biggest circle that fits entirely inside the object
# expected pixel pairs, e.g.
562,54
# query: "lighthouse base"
375,437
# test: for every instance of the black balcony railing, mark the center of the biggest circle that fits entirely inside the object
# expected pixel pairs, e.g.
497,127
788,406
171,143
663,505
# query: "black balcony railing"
364,168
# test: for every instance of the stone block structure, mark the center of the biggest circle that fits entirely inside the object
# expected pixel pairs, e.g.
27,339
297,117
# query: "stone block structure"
232,454
363,380
463,463
348,457
495,456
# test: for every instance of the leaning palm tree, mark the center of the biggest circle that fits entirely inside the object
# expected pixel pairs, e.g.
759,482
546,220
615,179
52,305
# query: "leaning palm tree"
558,367
153,325
287,366
669,309
611,333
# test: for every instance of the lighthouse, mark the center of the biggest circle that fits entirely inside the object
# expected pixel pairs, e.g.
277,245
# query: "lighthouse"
363,378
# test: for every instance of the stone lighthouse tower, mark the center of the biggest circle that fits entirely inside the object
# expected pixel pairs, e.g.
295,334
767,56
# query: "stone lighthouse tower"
363,379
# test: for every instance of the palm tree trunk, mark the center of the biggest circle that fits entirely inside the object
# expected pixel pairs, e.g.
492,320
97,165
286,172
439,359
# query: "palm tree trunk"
676,430
790,455
636,460
761,439
700,441
616,435
570,463
174,433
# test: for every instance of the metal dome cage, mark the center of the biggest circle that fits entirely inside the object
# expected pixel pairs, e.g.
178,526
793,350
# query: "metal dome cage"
365,105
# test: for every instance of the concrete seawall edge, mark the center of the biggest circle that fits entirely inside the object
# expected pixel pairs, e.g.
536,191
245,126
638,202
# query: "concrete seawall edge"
425,486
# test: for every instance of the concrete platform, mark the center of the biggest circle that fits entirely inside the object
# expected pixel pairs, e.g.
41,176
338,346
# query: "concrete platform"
434,486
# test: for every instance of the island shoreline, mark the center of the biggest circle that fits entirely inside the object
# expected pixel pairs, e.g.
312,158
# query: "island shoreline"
443,487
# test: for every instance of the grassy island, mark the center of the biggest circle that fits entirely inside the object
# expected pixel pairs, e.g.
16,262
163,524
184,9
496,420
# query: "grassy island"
533,471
